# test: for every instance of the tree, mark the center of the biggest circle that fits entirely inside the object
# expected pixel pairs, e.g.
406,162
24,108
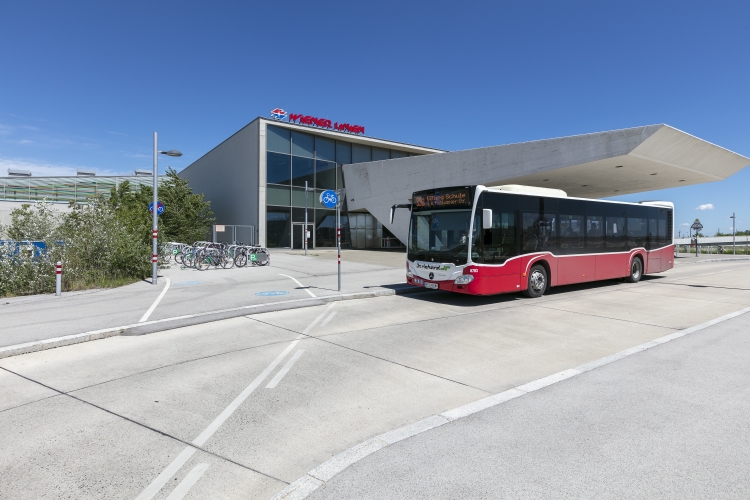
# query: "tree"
187,216
35,223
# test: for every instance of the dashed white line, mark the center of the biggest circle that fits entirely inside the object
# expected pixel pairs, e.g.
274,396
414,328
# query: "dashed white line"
158,483
156,303
329,318
312,325
223,416
284,370
300,284
187,483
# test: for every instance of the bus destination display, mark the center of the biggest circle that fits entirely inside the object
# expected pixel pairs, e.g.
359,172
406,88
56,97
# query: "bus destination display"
445,198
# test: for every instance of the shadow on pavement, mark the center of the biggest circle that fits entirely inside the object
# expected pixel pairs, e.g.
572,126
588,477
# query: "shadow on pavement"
460,300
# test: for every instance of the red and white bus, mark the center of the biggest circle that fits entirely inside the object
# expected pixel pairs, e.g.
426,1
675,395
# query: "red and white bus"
484,241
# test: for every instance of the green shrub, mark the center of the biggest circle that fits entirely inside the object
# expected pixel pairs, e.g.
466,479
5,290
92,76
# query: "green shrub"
106,242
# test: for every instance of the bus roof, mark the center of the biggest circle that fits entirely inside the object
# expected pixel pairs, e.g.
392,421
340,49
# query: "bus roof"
558,193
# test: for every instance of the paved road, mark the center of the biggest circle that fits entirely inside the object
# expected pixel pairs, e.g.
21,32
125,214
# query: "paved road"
28,319
670,422
252,403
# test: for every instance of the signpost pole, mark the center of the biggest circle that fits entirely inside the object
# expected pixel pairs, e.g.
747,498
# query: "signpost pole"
304,231
734,242
154,220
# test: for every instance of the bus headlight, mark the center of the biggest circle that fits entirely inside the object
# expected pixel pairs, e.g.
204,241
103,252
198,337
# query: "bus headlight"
409,274
464,279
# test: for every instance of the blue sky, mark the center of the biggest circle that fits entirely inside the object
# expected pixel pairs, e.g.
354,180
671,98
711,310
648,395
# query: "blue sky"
85,84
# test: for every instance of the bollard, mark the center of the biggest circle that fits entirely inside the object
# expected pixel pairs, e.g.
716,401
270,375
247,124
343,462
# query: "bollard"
58,279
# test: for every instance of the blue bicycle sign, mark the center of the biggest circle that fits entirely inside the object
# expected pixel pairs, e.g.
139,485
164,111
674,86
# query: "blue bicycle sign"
329,199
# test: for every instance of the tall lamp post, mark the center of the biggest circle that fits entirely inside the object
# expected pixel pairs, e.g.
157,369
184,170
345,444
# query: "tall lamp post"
155,219
734,246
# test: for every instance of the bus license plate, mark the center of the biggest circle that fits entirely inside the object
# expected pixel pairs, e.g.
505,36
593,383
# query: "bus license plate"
434,286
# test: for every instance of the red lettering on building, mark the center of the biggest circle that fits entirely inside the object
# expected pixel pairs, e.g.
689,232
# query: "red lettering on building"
325,123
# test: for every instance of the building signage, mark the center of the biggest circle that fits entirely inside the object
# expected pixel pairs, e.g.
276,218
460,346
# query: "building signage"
280,114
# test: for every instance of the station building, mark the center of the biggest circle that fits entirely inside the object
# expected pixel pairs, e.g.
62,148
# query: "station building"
257,176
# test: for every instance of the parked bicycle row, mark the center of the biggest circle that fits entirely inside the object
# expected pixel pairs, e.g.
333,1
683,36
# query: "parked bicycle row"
203,254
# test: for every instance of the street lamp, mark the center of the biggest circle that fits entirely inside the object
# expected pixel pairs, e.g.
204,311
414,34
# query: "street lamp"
155,217
734,251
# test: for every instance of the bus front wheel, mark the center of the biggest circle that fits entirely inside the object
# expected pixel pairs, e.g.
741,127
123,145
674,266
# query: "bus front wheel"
636,270
537,282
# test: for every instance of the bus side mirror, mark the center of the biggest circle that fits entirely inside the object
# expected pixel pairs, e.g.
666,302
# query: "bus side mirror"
486,218
392,215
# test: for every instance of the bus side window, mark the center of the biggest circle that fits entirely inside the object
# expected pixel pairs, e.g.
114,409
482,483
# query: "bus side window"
530,240
637,230
615,234
571,234
500,241
594,233
637,226
652,242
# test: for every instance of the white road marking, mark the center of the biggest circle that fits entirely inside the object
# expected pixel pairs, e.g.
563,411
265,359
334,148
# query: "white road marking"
312,325
223,416
300,284
156,303
329,318
183,457
158,483
187,483
284,370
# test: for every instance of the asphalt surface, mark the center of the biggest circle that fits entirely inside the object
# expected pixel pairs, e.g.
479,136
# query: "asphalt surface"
670,422
258,401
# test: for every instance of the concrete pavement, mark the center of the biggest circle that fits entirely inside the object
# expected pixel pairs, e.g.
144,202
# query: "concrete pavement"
108,418
670,422
192,292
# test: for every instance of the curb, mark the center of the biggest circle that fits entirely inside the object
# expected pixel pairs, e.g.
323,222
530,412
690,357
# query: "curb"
193,319
320,475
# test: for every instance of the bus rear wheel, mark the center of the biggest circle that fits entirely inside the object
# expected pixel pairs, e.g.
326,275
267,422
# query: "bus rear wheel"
537,282
636,270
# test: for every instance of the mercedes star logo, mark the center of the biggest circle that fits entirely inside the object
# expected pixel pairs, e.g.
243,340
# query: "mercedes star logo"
432,275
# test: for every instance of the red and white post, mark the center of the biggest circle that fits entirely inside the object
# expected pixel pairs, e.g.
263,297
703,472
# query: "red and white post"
58,279
155,256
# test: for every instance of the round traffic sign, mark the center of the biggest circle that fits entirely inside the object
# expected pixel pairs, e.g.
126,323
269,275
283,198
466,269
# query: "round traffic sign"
159,208
329,198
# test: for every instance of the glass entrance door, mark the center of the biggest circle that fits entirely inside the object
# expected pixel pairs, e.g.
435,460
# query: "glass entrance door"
297,238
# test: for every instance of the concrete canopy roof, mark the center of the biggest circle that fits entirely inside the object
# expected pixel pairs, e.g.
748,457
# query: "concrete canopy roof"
594,165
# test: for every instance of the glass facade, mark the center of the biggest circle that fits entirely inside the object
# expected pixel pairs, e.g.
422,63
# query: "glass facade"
64,189
295,157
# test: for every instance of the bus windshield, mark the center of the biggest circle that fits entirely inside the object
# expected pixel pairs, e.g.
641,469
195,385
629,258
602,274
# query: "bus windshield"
439,236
